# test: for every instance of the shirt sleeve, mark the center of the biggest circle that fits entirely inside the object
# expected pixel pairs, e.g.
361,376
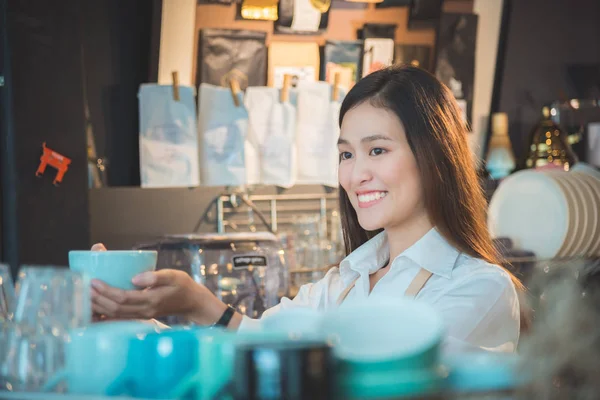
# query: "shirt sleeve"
312,295
481,311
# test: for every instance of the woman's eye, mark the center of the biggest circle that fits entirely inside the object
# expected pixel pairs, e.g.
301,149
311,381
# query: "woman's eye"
376,151
344,155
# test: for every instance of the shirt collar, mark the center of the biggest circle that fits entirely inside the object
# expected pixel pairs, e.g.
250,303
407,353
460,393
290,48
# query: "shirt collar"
432,252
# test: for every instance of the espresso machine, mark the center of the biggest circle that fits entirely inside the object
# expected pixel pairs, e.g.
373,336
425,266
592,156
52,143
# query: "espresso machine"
245,270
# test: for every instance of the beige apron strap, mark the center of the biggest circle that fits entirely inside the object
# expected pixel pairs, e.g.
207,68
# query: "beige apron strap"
417,284
344,294
413,289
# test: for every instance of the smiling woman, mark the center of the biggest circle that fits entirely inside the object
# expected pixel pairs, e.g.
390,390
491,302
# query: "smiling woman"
379,173
413,220
407,174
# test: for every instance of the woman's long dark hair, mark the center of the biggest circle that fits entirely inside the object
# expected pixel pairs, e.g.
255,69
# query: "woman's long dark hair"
437,136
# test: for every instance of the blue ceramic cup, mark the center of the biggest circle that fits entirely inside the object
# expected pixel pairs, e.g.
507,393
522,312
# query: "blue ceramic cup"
96,355
217,359
114,267
158,363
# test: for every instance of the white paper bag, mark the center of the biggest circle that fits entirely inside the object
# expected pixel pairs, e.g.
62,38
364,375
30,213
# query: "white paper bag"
272,126
317,133
379,54
222,128
306,17
168,137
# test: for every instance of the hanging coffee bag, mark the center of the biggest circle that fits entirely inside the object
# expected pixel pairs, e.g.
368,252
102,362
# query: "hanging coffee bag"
394,3
168,138
297,17
301,60
260,10
317,132
272,127
378,54
424,14
219,2
455,57
371,30
230,53
415,55
223,133
343,57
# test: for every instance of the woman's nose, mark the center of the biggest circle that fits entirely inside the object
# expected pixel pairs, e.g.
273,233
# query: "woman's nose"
361,173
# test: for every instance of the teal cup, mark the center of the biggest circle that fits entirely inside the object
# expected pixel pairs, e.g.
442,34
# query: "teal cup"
386,348
412,375
216,362
116,268
95,356
387,380
158,364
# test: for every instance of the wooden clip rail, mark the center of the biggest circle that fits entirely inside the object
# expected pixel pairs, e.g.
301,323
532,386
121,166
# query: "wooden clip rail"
335,95
175,75
284,95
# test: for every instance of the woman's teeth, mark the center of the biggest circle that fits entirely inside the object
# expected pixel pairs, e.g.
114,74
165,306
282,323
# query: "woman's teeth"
365,198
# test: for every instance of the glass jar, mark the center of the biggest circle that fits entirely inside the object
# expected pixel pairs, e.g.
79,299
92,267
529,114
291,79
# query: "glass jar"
548,144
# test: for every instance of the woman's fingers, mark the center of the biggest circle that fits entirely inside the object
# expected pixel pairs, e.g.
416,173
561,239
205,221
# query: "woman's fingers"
122,304
111,309
165,293
119,296
98,247
164,277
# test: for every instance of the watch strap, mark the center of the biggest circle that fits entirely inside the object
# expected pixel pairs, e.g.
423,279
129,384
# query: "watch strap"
226,317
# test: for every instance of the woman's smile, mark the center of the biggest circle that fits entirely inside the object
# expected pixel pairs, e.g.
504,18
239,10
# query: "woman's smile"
370,198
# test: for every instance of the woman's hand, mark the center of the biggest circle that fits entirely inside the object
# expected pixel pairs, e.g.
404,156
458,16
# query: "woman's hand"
165,292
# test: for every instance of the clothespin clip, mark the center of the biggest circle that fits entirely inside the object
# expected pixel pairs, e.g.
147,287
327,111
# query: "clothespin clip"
175,75
284,95
234,85
335,95
54,159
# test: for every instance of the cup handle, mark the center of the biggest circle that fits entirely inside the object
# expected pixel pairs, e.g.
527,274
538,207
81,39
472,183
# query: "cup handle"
185,385
118,387
225,393
54,380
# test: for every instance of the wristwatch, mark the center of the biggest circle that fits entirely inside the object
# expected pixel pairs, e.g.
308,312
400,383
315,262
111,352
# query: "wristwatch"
226,317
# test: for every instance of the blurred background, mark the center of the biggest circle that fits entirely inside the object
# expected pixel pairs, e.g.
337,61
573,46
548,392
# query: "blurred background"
162,108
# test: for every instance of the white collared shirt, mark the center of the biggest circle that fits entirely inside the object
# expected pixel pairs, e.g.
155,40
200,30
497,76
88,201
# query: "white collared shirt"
476,300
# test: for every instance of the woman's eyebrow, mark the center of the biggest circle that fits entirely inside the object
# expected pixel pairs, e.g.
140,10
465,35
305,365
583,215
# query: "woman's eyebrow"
370,138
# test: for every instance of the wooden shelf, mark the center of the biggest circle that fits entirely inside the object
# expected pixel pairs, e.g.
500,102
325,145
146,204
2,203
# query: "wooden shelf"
343,23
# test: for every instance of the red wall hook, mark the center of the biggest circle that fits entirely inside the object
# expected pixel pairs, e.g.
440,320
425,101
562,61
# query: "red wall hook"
54,159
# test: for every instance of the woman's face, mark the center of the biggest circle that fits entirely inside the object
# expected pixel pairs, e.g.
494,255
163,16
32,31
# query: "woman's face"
378,170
